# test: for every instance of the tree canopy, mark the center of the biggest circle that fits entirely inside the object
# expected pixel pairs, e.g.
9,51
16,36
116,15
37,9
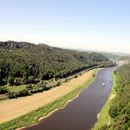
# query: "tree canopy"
22,62
120,107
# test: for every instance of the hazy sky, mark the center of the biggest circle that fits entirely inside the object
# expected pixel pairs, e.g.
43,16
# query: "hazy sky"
84,24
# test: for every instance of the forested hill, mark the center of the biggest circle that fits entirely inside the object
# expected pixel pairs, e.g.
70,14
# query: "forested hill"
120,107
28,62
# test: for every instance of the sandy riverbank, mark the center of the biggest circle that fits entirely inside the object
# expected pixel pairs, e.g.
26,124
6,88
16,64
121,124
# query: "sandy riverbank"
14,108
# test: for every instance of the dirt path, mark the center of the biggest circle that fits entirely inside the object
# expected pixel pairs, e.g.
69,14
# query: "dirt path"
14,108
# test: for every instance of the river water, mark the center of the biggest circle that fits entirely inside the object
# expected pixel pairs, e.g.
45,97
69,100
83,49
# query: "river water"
81,113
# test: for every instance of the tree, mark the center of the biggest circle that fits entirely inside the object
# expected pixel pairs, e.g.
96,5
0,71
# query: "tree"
11,80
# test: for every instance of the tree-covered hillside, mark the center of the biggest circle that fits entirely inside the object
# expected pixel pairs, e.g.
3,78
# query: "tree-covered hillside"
120,107
22,62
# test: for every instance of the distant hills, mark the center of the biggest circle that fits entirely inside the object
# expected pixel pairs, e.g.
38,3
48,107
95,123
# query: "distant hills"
29,62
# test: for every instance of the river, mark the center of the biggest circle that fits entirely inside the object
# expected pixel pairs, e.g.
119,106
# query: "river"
81,113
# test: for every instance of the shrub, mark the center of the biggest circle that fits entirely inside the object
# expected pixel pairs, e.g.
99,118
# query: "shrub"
75,76
23,92
24,80
30,79
29,87
103,127
11,80
66,80
58,83
17,81
3,90
47,88
34,90
12,94
113,111
41,89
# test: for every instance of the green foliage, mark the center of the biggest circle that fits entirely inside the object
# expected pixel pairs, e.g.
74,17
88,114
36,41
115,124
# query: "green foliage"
3,90
104,127
20,93
120,107
11,80
26,63
30,79
113,111
29,61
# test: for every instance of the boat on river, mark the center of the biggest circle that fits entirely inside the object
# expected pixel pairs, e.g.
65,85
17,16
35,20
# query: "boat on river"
103,84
